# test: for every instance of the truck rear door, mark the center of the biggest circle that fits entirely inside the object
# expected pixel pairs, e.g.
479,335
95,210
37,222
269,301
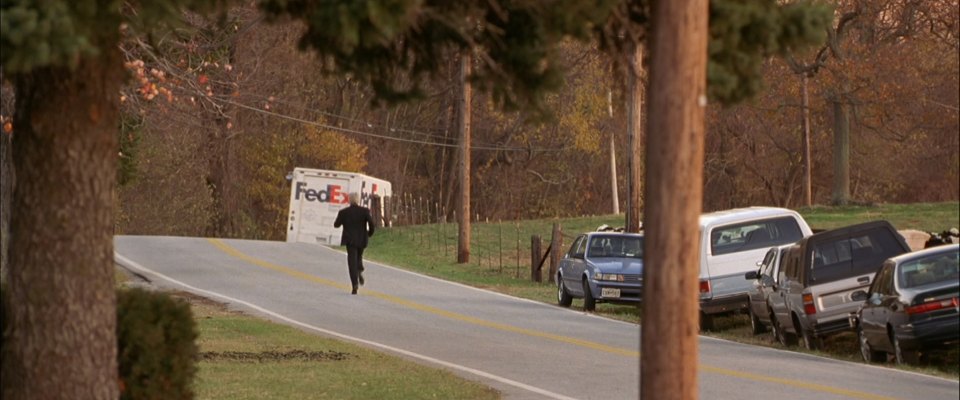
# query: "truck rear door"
314,205
847,264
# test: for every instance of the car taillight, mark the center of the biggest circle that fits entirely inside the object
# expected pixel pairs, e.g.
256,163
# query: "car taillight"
808,306
704,287
932,306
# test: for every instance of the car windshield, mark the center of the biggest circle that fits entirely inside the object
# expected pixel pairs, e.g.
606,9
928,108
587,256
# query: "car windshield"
936,268
615,246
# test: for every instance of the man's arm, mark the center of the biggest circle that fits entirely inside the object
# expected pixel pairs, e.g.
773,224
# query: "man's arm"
369,224
339,220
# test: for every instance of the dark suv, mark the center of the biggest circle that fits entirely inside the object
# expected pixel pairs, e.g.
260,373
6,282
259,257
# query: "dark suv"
819,274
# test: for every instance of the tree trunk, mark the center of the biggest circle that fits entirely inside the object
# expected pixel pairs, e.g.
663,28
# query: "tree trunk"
634,132
614,196
61,339
807,176
841,153
614,192
675,155
463,124
7,179
219,178
451,162
216,179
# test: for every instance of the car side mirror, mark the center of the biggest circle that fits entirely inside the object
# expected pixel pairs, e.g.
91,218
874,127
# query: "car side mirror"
752,275
859,295
767,280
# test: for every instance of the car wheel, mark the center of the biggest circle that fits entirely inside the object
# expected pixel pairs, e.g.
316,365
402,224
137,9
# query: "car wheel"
563,297
902,356
706,322
869,355
589,303
785,339
756,326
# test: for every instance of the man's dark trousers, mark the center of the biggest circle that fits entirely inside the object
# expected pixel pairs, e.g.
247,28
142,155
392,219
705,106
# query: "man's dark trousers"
357,228
355,263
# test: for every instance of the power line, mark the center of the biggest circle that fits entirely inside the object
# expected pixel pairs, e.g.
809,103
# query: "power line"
274,114
343,117
176,71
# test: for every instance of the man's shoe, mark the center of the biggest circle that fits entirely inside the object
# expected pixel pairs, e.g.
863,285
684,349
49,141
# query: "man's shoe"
361,279
354,291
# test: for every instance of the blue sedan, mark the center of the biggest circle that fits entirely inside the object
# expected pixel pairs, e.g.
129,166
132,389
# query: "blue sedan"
602,267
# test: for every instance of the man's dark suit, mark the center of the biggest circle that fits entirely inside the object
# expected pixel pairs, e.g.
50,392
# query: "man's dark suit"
357,227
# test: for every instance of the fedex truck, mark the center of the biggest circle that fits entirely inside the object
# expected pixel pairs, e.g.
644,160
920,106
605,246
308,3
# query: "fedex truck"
317,195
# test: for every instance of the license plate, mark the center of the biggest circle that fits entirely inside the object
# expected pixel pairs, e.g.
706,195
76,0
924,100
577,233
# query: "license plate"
609,292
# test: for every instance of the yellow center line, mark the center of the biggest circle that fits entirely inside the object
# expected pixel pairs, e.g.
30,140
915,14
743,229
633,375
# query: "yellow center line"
790,382
422,307
529,332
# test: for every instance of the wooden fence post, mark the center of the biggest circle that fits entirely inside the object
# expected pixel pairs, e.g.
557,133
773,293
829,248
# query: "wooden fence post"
387,211
535,244
556,244
377,211
518,250
500,229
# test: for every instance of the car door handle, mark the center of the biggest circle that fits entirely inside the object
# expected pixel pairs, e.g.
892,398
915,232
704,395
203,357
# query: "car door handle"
864,280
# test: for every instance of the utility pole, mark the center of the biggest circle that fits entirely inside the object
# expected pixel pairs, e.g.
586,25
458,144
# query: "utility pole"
674,192
615,198
463,164
634,129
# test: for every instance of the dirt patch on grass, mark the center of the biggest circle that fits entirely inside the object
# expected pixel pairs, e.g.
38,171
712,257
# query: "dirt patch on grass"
276,356
200,300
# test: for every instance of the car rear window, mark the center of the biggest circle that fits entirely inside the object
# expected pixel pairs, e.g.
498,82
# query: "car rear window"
862,253
935,268
616,246
754,235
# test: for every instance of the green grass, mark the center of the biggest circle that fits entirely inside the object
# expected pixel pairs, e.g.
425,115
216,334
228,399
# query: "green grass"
927,217
274,361
280,362
496,263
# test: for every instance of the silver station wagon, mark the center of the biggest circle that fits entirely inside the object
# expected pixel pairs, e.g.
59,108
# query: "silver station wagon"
602,267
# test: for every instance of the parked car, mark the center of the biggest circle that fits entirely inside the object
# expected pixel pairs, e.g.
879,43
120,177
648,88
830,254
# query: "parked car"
731,242
911,307
763,282
821,272
602,267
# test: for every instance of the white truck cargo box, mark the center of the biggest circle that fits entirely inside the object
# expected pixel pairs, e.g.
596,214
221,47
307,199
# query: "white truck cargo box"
316,196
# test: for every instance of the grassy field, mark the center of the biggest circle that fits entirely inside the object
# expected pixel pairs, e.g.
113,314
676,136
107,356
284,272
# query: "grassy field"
927,217
243,357
500,261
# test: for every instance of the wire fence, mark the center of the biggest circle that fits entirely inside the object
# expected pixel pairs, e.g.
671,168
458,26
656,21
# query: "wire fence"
500,247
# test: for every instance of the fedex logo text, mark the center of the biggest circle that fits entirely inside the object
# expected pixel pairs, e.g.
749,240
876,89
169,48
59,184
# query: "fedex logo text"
332,194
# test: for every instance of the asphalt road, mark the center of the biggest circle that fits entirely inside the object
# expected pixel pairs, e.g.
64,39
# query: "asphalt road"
525,349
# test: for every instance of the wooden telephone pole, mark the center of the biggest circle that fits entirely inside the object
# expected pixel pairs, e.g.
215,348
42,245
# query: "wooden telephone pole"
463,164
674,191
634,130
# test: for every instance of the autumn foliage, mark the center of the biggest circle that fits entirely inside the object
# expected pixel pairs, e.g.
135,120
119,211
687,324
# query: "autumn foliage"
230,107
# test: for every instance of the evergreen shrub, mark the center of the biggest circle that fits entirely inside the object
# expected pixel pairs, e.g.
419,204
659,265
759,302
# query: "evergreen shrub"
157,350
